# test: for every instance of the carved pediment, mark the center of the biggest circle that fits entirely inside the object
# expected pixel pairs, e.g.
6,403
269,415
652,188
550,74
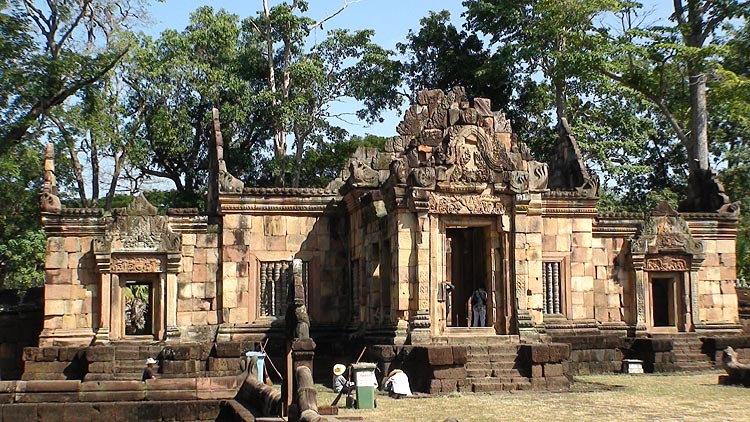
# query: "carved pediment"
665,232
138,227
445,139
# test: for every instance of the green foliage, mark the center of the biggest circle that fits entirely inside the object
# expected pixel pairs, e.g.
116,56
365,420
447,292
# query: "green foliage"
50,51
22,260
175,81
440,56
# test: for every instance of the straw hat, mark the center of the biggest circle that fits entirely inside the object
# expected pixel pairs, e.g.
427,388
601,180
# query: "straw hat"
150,361
394,372
338,369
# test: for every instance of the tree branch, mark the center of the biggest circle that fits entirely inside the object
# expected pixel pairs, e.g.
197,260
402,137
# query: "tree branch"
658,101
331,16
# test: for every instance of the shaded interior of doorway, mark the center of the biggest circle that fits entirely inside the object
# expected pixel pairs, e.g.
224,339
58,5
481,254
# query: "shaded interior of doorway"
663,300
467,261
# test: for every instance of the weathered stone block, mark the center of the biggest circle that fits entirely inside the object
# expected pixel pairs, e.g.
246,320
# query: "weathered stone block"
223,364
460,355
452,372
100,354
553,370
19,412
537,370
440,355
179,367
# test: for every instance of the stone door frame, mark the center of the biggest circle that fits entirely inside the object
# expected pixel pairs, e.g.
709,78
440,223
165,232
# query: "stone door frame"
678,301
684,269
118,267
499,306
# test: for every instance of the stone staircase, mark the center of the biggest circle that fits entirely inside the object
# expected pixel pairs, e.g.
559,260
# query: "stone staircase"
492,364
686,351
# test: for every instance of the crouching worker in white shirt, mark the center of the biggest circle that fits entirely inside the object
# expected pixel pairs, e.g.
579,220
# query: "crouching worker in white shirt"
397,384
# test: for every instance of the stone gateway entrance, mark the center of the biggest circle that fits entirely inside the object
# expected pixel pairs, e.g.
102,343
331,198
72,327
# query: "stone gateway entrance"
393,249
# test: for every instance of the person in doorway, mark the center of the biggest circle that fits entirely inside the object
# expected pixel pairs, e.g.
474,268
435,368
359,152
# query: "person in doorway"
397,384
149,373
479,307
339,382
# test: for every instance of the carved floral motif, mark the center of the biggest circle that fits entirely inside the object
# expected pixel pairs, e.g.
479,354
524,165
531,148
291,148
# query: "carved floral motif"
137,264
666,263
465,204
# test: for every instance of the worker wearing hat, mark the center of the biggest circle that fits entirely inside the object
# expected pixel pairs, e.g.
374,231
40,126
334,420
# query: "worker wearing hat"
339,382
148,373
397,384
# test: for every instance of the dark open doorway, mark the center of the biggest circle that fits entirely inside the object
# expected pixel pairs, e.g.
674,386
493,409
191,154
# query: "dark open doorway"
467,271
663,301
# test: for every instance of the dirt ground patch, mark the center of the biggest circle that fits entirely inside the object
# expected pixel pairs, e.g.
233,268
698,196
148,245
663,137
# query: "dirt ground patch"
680,397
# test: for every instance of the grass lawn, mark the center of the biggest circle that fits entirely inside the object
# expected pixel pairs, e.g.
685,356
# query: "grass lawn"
682,397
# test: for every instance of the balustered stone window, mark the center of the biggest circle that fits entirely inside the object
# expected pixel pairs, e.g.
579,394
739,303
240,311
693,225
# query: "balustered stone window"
275,277
553,287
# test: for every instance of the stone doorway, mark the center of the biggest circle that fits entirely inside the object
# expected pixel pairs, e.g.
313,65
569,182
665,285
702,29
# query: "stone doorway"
466,261
665,292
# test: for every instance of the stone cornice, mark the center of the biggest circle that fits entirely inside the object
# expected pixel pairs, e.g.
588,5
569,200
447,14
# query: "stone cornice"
289,192
622,228
188,223
81,222
568,206
277,204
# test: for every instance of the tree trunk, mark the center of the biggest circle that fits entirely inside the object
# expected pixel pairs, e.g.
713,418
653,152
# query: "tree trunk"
561,100
698,156
299,139
94,170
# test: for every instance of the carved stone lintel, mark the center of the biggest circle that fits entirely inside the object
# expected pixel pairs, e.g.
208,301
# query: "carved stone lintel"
137,264
666,263
465,204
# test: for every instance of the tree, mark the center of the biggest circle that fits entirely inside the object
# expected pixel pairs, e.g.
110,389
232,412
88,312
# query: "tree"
543,35
174,83
441,56
50,52
343,65
670,66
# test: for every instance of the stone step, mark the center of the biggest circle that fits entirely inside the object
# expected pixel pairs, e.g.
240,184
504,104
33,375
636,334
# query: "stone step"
485,385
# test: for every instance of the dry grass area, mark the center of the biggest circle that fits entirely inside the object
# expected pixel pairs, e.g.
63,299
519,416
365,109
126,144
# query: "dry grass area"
682,397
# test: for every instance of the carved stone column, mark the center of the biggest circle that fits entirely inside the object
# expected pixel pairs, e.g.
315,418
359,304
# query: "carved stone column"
105,290
640,294
170,307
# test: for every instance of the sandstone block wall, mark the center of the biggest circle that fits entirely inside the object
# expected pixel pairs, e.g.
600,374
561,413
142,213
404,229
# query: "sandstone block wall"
197,296
717,296
71,284
248,240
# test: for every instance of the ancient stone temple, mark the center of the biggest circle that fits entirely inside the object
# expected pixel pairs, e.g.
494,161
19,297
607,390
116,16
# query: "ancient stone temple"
393,250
